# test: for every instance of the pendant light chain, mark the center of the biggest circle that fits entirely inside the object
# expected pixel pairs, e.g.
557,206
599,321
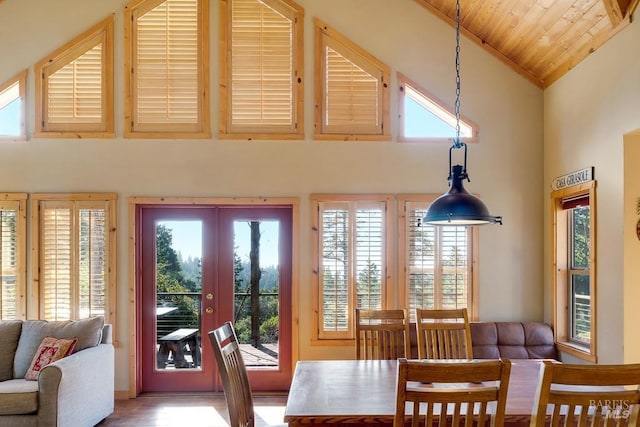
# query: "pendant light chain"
457,102
457,207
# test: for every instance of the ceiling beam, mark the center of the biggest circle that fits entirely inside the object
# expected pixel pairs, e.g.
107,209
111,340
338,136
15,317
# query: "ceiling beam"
617,10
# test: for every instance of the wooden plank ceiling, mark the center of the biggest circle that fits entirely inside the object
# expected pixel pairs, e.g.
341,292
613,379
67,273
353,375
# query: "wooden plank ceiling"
540,39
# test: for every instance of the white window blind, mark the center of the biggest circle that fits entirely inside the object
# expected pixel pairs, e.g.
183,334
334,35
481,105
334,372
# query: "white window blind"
74,259
438,266
167,66
8,260
263,73
352,262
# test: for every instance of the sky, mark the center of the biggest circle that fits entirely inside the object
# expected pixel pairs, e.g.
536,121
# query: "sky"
187,239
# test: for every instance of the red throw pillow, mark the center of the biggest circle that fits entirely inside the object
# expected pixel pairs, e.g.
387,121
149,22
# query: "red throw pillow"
50,350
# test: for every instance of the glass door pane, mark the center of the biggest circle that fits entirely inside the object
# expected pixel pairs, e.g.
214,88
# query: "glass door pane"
256,290
178,294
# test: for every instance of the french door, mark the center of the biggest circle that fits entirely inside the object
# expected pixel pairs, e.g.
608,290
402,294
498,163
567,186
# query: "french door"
199,267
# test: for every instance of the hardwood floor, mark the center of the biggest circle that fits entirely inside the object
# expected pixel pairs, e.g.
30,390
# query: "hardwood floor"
190,409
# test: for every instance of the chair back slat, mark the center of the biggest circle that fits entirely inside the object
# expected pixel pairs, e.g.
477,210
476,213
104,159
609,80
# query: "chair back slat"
235,382
580,395
381,334
452,392
443,334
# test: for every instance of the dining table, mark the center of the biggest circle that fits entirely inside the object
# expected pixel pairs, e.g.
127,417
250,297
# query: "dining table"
363,392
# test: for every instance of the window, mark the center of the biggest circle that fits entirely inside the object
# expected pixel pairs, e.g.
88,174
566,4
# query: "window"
352,94
74,264
12,107
74,87
351,239
573,280
261,73
424,117
13,265
167,55
436,262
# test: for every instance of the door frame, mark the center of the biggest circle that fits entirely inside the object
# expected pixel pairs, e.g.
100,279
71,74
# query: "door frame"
135,202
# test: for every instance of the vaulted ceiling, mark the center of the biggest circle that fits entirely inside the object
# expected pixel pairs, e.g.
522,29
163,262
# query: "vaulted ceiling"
540,39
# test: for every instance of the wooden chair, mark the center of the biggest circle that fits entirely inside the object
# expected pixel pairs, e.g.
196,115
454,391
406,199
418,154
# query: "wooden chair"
593,394
465,392
233,372
382,334
443,334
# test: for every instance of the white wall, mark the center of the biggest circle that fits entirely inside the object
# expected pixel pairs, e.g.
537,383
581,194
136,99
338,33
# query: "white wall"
586,114
505,166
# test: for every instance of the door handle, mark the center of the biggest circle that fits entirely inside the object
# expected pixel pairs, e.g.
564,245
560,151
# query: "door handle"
208,310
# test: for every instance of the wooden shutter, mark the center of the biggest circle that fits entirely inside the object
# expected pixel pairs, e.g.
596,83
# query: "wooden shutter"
74,265
454,264
352,261
74,88
369,255
93,253
8,259
421,261
57,261
334,267
438,267
168,58
351,88
264,53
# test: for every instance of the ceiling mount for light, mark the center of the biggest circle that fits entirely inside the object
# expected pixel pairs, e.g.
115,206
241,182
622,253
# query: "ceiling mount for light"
457,206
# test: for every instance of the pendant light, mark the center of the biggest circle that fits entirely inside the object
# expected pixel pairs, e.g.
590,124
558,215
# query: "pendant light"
457,207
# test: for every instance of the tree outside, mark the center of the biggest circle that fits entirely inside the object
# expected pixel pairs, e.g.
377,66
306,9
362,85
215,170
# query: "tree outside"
179,285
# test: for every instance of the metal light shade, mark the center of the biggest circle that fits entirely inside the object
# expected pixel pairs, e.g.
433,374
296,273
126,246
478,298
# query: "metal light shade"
457,207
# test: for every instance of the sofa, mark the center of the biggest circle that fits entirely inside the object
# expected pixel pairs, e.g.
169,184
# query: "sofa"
513,340
76,390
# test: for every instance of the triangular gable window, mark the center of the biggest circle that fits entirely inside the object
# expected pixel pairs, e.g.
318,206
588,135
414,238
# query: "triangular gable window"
424,117
74,86
12,108
352,96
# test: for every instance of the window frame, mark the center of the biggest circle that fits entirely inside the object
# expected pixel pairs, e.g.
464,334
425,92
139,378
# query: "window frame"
561,272
18,202
338,337
325,35
167,130
21,80
249,132
62,57
404,204
69,200
439,108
